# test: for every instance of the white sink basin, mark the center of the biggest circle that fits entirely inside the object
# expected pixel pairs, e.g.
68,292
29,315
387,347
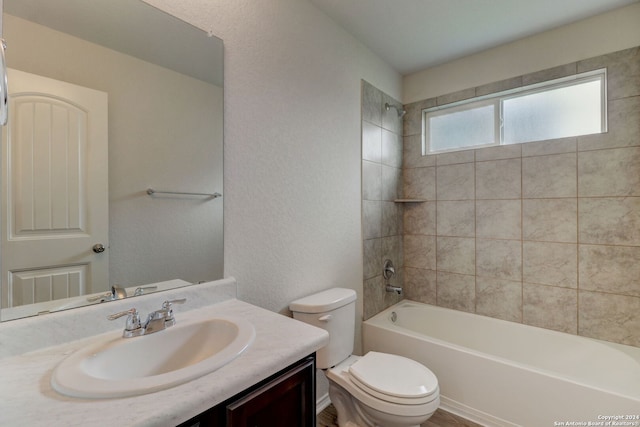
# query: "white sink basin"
122,367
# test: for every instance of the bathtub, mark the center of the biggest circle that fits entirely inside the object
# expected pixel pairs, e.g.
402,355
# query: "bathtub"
500,373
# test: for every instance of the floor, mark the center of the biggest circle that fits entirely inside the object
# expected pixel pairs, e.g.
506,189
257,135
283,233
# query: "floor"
327,418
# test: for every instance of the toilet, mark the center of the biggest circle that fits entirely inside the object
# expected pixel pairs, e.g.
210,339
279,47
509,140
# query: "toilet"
374,390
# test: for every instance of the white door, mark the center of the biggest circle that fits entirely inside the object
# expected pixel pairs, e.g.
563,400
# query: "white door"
54,191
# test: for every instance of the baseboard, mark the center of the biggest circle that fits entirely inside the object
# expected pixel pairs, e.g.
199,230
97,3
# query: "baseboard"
472,414
322,402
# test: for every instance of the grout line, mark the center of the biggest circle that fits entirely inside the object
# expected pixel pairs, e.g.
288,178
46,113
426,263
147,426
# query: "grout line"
521,241
577,243
475,232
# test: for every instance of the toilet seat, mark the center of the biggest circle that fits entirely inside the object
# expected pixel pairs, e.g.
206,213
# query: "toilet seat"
402,406
393,378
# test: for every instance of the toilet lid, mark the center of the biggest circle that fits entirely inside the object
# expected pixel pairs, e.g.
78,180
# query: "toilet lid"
393,376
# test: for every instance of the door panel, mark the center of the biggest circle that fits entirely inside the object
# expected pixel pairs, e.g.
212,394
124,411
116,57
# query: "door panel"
54,191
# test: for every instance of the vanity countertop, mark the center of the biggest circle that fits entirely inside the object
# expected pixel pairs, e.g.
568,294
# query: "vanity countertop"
26,396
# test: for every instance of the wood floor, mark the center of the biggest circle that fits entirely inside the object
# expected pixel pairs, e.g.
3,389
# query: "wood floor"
327,418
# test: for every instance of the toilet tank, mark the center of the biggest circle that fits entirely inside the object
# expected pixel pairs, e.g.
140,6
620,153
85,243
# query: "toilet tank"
333,310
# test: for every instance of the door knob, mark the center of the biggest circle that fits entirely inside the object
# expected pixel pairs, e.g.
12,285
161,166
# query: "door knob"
98,248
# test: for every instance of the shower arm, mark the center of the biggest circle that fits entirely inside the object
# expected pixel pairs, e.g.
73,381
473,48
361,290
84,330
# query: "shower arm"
400,112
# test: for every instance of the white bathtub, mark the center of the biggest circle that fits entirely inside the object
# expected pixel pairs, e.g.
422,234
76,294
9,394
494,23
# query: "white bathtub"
500,373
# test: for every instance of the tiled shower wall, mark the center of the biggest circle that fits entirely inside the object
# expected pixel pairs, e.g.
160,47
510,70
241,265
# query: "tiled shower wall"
381,185
543,233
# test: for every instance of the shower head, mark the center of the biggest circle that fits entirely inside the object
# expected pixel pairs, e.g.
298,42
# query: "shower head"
400,112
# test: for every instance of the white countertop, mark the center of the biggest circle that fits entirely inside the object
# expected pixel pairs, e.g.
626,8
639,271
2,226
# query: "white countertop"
26,396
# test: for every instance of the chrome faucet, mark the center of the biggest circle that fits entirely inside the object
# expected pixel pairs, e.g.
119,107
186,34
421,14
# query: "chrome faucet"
396,289
142,289
116,293
156,320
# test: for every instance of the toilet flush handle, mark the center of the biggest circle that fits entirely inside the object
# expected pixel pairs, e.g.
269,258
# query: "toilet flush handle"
325,318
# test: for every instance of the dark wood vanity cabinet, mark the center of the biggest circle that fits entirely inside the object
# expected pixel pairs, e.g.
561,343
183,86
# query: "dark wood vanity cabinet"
286,399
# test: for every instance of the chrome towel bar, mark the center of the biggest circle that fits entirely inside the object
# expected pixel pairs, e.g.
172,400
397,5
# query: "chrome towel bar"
151,192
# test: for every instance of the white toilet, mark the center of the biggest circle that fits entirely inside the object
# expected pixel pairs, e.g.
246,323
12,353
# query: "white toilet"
377,389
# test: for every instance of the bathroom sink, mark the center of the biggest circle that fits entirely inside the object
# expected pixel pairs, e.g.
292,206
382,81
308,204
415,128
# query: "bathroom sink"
122,367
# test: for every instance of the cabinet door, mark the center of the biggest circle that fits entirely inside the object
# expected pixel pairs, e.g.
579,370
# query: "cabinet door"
286,401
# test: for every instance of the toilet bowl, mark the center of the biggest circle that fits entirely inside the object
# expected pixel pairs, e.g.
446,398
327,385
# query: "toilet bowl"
380,389
377,389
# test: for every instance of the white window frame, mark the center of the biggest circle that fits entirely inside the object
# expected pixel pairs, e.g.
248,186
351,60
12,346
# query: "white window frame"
498,98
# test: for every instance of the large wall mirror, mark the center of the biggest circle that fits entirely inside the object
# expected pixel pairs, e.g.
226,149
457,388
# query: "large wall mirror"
108,99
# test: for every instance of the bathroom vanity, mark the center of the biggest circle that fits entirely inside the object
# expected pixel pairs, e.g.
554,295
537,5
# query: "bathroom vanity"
273,378
285,399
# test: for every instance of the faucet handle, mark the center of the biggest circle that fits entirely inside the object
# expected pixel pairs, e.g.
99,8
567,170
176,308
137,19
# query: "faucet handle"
168,303
169,320
133,321
104,297
142,289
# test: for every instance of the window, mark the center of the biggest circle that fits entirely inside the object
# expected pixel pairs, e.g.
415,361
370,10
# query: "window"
560,108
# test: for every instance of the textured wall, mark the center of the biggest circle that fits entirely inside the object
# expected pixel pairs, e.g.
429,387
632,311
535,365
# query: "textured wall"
292,145
544,233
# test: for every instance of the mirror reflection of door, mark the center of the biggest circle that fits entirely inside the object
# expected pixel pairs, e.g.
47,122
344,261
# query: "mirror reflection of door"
54,191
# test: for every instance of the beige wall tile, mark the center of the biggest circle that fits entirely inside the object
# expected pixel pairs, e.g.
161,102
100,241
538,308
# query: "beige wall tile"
392,249
501,152
372,258
499,86
371,142
500,259
456,255
376,298
371,104
550,263
412,122
371,180
391,219
371,219
455,182
391,183
550,307
613,269
420,285
611,220
420,252
456,157
456,291
391,148
499,219
550,74
611,172
552,146
610,317
420,218
419,183
499,298
412,153
456,218
623,130
499,179
456,96
549,176
553,220
623,71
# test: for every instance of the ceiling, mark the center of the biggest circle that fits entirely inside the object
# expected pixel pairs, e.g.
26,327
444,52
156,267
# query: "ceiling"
412,35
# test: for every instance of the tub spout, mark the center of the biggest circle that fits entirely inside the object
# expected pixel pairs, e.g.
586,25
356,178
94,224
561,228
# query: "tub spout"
396,289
